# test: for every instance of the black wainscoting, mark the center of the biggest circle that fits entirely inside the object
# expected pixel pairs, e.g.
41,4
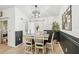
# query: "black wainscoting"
18,37
69,44
57,36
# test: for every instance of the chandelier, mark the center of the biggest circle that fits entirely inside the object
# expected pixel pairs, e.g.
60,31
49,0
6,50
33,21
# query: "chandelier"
36,13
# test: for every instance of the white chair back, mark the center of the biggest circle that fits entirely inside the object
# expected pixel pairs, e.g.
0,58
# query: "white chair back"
29,38
39,39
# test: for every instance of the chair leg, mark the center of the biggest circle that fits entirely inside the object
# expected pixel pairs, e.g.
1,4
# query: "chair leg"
53,47
35,50
31,49
25,50
43,50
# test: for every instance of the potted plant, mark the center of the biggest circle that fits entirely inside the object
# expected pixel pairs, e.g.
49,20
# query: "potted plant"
56,29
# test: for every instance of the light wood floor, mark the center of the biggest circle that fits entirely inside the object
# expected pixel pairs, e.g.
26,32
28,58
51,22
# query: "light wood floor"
20,50
57,48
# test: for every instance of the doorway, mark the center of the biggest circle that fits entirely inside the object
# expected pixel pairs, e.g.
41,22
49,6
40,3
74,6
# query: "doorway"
3,32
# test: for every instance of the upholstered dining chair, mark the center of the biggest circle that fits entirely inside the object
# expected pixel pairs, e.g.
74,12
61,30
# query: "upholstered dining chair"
39,44
28,44
49,45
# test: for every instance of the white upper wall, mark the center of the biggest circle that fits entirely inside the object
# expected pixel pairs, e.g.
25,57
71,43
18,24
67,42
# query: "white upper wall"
45,23
20,19
48,22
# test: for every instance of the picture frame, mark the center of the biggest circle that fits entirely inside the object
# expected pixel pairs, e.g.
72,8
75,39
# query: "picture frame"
67,19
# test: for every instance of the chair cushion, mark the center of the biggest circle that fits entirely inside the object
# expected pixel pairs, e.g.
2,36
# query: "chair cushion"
28,43
39,45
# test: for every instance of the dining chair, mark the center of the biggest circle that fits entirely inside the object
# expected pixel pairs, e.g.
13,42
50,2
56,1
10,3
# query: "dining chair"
46,36
49,45
39,44
28,44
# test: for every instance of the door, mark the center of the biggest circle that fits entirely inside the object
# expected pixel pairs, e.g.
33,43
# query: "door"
3,32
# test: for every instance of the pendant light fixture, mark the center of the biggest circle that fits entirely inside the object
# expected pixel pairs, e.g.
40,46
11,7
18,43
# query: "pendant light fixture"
35,12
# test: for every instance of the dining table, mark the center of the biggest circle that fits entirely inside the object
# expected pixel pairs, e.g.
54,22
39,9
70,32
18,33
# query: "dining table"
40,35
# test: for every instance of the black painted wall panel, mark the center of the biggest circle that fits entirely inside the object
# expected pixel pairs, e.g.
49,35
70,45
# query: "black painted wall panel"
18,37
68,43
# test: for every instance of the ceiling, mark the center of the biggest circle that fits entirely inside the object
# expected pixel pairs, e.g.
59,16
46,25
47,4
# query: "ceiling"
5,6
45,10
